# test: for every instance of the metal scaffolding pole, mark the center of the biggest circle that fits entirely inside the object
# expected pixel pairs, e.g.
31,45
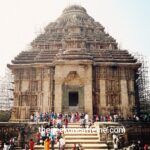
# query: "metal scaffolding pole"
143,84
6,91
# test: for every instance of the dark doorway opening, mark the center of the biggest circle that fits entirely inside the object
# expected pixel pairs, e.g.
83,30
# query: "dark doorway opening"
73,98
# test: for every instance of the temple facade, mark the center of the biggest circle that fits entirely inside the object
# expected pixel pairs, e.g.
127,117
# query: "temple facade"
74,65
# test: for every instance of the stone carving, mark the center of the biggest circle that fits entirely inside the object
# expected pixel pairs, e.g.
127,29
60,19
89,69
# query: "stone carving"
72,75
83,45
34,86
110,46
14,114
34,100
73,79
113,92
63,44
24,100
91,46
75,20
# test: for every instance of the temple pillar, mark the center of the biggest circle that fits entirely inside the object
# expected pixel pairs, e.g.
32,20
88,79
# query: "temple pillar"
58,98
102,95
58,90
88,103
124,97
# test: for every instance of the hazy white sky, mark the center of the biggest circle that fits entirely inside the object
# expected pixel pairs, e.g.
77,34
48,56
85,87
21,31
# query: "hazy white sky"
22,20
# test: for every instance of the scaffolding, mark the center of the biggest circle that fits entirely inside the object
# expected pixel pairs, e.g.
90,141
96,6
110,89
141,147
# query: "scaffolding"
143,84
6,91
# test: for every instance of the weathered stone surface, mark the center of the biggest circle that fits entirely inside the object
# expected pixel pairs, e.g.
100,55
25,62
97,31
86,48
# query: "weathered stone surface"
74,54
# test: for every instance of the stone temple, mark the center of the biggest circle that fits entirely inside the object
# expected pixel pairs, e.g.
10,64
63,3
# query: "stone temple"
74,66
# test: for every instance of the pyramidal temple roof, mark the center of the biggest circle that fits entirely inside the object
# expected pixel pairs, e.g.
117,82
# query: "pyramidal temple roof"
74,35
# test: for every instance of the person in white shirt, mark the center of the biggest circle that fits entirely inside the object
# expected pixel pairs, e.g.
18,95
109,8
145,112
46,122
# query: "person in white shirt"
115,141
86,117
61,144
6,146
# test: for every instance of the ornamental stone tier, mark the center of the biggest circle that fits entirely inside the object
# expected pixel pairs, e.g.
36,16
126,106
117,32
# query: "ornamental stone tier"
74,66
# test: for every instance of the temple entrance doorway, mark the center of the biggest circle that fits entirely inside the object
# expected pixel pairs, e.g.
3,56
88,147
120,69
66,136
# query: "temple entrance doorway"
73,99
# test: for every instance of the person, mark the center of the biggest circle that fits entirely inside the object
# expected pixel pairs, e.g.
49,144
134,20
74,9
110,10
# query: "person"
11,142
80,147
43,134
52,143
133,145
114,136
115,144
6,146
83,122
145,147
38,136
61,144
31,144
74,147
1,144
115,141
97,118
47,144
59,123
89,124
139,145
86,117
52,136
66,122
26,146
32,117
77,117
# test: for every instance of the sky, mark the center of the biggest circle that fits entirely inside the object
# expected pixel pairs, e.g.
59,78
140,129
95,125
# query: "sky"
128,21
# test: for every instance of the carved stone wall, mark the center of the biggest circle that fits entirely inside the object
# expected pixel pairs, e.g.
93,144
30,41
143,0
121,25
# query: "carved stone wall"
34,91
115,90
79,75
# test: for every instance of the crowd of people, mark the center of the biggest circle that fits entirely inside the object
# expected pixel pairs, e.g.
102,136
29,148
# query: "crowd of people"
55,121
51,133
137,146
40,117
75,117
9,145
60,119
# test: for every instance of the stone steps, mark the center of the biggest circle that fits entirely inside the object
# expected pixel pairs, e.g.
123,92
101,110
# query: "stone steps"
93,146
81,137
89,140
70,146
78,126
17,148
82,141
79,134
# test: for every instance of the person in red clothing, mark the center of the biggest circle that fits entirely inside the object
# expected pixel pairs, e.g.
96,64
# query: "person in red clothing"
77,117
145,147
38,137
66,122
31,144
74,147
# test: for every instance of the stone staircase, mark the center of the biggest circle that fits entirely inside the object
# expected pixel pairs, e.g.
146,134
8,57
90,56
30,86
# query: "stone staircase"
88,140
